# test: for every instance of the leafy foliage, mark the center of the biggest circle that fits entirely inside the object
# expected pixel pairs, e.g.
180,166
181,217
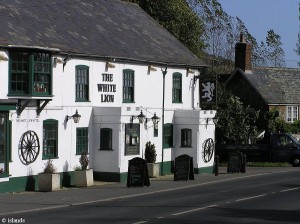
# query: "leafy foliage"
49,167
178,19
207,30
236,123
221,33
84,160
150,153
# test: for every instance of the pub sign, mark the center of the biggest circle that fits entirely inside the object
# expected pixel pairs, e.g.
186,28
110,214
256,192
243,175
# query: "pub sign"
208,91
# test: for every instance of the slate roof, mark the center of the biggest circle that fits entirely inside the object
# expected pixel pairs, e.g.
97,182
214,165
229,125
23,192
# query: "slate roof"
276,85
101,28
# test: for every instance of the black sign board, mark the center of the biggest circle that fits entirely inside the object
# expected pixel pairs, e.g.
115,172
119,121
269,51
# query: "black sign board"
234,162
208,91
137,173
184,168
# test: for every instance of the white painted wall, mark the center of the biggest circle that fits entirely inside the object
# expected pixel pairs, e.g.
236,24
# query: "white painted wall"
96,114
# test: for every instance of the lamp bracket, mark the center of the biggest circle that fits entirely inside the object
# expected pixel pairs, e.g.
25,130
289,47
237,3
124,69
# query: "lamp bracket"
196,77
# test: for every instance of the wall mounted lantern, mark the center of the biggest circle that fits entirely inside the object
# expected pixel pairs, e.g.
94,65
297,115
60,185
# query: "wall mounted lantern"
76,117
141,117
155,120
207,120
2,119
215,120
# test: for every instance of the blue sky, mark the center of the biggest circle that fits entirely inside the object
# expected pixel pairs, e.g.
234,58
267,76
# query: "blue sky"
260,16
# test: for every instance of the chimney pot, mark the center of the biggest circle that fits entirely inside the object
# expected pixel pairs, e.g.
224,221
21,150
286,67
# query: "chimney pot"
243,53
242,39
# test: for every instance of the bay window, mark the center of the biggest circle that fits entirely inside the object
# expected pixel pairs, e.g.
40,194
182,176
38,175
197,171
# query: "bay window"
30,73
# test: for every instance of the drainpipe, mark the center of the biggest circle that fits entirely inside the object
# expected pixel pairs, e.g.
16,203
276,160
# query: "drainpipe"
164,72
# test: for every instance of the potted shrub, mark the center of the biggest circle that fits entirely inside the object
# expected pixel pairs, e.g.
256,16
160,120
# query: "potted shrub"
49,180
150,156
83,175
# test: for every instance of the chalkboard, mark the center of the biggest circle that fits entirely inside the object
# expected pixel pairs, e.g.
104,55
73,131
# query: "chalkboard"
234,162
184,168
137,173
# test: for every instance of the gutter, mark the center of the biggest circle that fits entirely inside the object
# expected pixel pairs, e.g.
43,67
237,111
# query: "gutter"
34,48
131,60
106,58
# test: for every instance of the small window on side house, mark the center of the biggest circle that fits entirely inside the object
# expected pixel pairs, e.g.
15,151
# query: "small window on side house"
292,113
186,137
105,139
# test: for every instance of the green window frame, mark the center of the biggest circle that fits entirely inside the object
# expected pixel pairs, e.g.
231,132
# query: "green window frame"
128,86
168,135
50,139
186,137
82,83
177,88
106,138
82,140
30,73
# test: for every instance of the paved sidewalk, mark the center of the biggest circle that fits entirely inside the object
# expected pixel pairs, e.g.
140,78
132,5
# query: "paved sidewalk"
14,203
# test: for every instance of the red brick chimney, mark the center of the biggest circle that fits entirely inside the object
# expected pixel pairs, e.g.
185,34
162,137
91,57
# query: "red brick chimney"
243,53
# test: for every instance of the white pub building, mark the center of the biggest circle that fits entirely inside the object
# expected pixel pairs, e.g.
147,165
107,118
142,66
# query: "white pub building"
104,63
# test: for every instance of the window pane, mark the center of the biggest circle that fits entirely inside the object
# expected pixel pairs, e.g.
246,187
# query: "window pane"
50,133
82,83
25,65
81,140
106,139
168,135
128,85
177,87
19,72
186,137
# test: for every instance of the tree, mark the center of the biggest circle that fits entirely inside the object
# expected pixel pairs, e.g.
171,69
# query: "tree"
236,123
221,33
275,51
178,19
215,23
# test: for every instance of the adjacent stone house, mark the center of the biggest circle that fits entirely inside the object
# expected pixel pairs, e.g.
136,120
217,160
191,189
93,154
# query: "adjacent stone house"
265,88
